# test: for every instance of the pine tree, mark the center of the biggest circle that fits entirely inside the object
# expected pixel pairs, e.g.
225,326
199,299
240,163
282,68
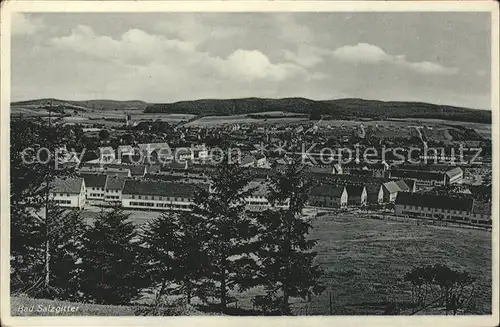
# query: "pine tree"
174,247
286,267
30,203
112,263
229,232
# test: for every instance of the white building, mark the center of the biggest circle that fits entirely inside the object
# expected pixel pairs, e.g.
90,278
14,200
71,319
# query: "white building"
440,207
257,200
113,189
158,195
68,192
94,184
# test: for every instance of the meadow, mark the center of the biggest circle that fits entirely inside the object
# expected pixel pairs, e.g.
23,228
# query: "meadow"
364,260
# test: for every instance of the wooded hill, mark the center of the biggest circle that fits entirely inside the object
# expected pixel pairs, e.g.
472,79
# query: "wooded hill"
337,109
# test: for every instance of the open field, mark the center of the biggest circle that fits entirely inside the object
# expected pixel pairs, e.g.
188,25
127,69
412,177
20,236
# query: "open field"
364,258
101,117
214,121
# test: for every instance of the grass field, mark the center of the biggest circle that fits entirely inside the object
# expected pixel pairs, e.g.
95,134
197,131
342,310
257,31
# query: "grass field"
363,259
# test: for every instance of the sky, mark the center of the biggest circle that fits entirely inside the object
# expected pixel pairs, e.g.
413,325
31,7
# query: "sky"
441,58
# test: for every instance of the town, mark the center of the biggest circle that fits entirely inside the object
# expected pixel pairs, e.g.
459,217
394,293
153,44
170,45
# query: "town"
159,176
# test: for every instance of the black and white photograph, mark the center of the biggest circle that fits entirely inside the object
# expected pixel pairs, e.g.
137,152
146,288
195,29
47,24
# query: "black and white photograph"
245,162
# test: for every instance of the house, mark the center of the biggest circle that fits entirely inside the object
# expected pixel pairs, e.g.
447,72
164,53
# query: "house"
402,186
441,207
257,200
481,213
111,169
68,192
113,189
138,171
423,178
247,161
390,190
106,154
454,176
412,185
338,169
374,193
328,170
158,195
94,184
260,160
356,194
328,195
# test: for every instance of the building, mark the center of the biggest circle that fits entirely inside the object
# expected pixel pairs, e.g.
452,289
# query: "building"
68,192
390,190
94,184
260,160
481,213
113,189
440,207
138,171
158,195
356,194
422,178
403,187
106,155
110,170
374,193
412,185
454,176
328,195
257,200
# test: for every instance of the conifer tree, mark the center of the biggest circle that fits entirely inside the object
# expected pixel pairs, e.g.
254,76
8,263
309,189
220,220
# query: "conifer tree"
286,260
229,231
112,267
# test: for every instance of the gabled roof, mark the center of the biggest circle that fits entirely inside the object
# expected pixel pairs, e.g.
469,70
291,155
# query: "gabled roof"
483,208
454,172
137,170
259,156
115,182
419,175
160,188
402,185
71,185
435,201
247,159
320,170
411,183
373,188
94,180
354,190
327,190
391,187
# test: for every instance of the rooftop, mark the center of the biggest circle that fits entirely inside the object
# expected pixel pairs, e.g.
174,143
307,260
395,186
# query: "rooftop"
435,201
71,185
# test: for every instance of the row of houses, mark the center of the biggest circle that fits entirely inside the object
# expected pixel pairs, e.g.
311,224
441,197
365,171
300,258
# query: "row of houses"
443,207
340,195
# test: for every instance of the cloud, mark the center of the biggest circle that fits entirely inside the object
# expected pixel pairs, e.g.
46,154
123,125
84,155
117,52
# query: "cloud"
307,56
136,48
253,64
362,52
371,54
23,24
192,28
